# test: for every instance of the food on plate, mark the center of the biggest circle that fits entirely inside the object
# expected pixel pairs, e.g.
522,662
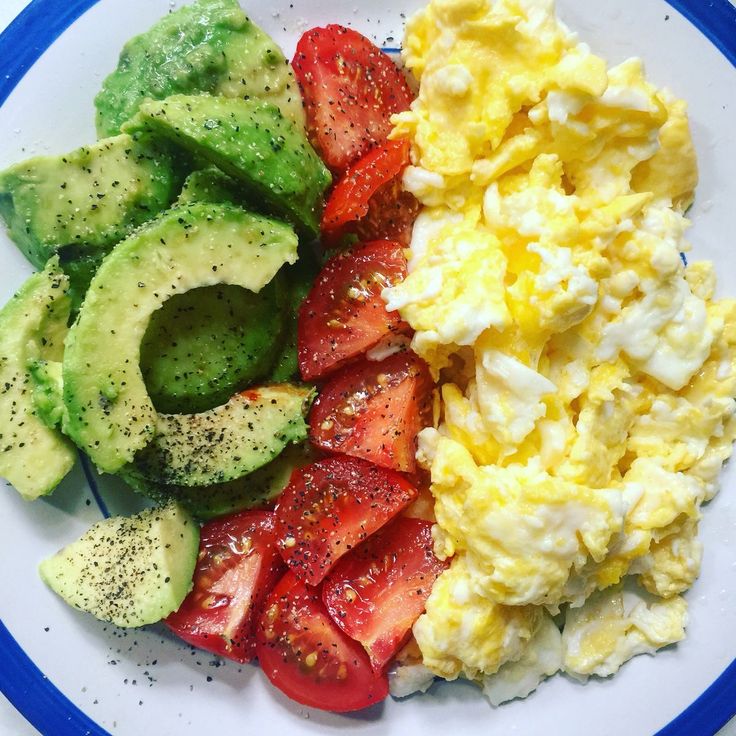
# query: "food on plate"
376,592
483,455
305,654
128,571
350,90
35,457
374,409
351,197
587,375
249,140
91,197
208,47
343,314
186,248
203,346
227,442
331,506
237,566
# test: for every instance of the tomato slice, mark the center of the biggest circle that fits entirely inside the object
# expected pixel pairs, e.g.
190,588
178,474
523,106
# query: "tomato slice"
350,90
331,506
391,215
350,197
344,315
374,410
377,592
238,565
308,658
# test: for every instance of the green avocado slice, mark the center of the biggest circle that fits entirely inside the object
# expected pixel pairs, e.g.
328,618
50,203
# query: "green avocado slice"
210,46
111,416
252,142
203,346
251,491
34,457
227,442
93,196
130,571
210,185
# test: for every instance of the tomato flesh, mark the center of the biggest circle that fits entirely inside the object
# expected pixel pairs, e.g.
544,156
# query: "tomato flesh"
374,410
308,658
331,506
238,565
377,592
350,197
350,90
391,215
344,314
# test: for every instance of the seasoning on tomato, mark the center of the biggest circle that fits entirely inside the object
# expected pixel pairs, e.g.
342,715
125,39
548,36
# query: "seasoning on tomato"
391,215
377,592
350,197
238,565
350,90
331,506
308,658
344,314
374,410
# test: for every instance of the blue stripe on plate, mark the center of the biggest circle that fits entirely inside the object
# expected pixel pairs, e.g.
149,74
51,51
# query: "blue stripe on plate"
21,45
89,475
27,688
716,19
30,35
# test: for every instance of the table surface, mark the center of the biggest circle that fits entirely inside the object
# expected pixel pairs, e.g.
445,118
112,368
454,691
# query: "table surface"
11,722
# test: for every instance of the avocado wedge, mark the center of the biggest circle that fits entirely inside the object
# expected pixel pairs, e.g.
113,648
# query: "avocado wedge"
91,197
210,46
130,571
203,346
252,142
34,457
250,491
229,441
110,414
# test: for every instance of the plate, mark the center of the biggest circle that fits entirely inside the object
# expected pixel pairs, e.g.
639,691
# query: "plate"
70,674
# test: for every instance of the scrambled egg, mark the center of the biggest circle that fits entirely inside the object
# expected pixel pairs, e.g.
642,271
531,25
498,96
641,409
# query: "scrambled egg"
587,377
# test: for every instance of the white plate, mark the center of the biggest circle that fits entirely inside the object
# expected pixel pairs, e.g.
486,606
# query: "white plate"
142,682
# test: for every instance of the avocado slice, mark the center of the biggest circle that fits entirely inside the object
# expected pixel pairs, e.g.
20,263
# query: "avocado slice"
252,142
203,346
130,571
34,457
210,185
209,46
80,264
48,394
251,491
229,441
111,416
93,196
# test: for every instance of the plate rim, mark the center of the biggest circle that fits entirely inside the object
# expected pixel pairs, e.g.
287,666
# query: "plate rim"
21,681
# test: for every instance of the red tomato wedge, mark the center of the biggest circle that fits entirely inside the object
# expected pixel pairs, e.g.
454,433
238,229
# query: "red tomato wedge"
374,410
377,592
350,90
331,506
238,565
308,658
344,315
350,197
391,215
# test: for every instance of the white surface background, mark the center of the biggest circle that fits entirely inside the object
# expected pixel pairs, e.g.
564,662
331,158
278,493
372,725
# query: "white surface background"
11,723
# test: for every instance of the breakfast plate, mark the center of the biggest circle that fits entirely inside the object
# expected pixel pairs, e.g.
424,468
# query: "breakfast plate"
70,674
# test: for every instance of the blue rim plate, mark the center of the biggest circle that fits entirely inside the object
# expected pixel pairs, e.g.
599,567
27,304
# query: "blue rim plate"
23,42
